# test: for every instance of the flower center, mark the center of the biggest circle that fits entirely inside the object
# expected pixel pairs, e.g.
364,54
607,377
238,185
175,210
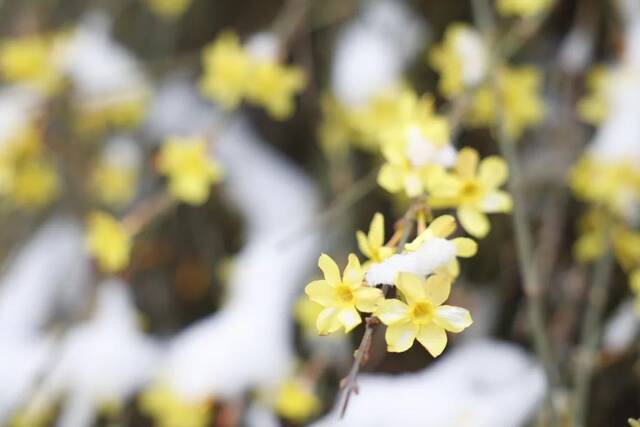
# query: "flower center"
471,190
422,312
344,294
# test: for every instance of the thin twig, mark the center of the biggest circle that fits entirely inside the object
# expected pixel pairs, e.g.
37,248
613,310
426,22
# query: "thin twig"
591,330
145,211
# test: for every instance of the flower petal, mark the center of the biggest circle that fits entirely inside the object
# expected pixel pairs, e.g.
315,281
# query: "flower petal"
493,171
433,338
319,291
327,321
413,184
392,311
363,244
437,288
376,230
391,177
353,273
454,319
350,318
368,298
443,226
474,221
467,162
329,269
497,201
465,247
411,286
400,336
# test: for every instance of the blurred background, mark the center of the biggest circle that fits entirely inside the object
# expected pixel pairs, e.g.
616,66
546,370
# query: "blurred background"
171,170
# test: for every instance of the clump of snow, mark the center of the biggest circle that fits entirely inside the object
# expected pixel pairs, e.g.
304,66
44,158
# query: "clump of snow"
263,46
471,49
373,51
103,360
433,254
123,151
622,328
480,384
421,151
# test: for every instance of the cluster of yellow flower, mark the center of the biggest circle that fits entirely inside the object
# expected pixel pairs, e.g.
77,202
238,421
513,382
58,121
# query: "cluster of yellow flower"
416,313
232,73
190,172
611,186
28,177
169,9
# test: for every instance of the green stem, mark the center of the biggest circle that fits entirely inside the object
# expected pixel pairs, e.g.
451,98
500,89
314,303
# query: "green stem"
590,336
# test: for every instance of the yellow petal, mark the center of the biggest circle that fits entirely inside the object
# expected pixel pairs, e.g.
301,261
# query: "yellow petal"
411,286
392,311
391,178
350,318
376,230
454,319
367,298
465,247
327,321
474,221
493,171
467,162
443,226
353,273
400,336
319,291
363,244
437,288
329,269
497,201
413,184
433,338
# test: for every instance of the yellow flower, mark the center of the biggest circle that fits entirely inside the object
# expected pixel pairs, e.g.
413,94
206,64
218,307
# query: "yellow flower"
461,59
473,189
422,316
372,244
306,312
113,184
108,242
523,8
123,112
296,401
519,95
227,71
593,107
169,410
41,417
634,423
30,60
273,86
441,228
341,297
35,184
191,171
169,8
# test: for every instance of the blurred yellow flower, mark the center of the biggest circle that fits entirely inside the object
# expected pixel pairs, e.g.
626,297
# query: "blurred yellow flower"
227,70
422,316
169,8
372,244
593,108
519,97
108,242
473,189
461,59
296,401
190,169
35,184
341,297
120,113
273,86
634,281
634,423
30,60
114,185
523,8
169,410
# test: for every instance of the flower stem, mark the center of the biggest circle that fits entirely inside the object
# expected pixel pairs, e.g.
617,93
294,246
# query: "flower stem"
590,336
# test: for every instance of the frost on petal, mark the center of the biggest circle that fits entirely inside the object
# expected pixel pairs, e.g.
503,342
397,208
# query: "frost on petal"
400,336
453,319
392,311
